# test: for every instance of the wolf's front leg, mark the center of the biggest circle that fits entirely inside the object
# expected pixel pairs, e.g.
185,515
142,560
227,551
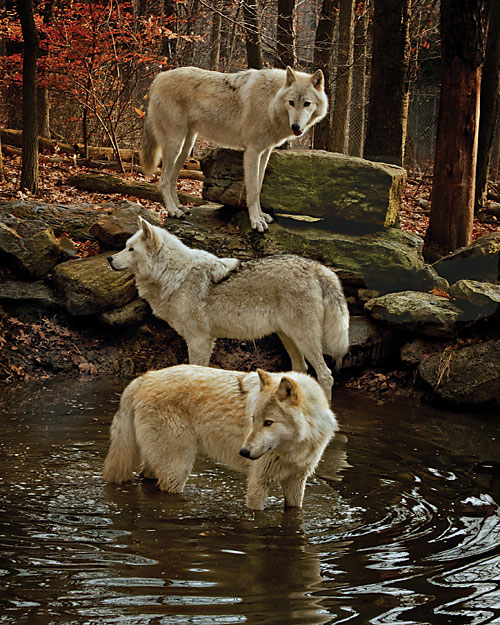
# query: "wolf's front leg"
251,164
293,491
257,486
199,350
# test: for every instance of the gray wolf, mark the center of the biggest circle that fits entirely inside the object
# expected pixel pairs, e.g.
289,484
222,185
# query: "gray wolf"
272,426
256,110
204,297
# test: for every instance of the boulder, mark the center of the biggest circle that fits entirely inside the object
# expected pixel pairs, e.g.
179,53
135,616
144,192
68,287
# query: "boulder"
28,246
89,286
476,299
478,261
470,375
133,312
415,312
418,349
34,292
369,344
333,188
113,230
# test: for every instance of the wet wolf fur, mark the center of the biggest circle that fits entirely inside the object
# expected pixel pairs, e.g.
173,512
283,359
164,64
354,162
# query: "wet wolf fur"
256,110
272,426
204,297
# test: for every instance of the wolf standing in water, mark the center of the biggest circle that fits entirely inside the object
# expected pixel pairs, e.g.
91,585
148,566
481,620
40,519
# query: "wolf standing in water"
256,110
204,297
272,426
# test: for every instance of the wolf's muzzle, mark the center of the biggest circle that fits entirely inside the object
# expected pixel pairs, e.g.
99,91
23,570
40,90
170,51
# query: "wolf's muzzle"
110,261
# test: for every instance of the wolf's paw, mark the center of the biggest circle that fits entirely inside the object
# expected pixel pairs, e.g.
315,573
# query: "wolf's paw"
176,212
259,221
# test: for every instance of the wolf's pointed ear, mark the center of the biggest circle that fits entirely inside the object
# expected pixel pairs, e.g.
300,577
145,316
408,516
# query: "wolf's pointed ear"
318,80
291,76
147,229
265,378
288,391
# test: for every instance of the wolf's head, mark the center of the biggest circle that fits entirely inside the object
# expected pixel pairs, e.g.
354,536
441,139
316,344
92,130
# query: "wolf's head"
277,416
141,246
303,97
151,250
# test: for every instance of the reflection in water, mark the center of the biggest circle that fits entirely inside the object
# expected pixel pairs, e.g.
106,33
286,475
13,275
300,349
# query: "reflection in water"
400,525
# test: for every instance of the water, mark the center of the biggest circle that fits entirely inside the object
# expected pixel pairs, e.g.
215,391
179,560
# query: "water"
403,526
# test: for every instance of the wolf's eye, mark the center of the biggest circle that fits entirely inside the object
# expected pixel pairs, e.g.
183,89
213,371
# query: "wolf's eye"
130,249
268,422
291,102
307,104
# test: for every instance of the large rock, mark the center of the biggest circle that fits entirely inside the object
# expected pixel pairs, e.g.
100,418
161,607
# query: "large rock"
476,299
478,261
331,187
420,313
29,247
369,345
89,286
112,231
37,293
470,375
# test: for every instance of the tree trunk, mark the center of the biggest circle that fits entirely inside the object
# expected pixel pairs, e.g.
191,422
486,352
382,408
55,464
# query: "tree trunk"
215,36
323,52
339,139
452,197
388,107
169,46
29,171
43,105
357,132
285,34
490,85
251,20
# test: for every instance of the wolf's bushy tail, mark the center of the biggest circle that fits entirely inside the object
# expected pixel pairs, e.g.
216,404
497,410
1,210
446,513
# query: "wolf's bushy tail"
336,317
123,454
150,150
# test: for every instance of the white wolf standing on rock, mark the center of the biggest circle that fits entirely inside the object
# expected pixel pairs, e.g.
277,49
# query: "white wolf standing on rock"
256,110
204,297
272,426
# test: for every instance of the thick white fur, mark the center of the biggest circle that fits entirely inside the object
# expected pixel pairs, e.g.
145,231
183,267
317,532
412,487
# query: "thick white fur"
204,297
272,426
254,109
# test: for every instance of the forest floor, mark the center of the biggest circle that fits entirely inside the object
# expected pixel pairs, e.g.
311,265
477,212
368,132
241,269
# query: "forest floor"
18,338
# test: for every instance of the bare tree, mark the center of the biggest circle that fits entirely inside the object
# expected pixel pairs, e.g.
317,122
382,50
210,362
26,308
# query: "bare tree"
388,107
253,40
339,138
358,106
490,85
463,27
29,170
215,35
285,34
323,53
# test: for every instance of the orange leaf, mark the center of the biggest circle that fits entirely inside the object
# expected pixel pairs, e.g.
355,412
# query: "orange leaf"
139,112
440,293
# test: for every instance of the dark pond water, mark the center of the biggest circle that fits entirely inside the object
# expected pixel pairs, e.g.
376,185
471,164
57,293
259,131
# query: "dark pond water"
410,533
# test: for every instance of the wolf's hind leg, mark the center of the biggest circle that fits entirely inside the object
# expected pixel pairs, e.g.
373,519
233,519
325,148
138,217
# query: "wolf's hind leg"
310,346
298,362
187,146
171,148
168,449
251,165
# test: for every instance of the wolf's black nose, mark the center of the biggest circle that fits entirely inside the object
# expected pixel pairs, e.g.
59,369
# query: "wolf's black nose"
295,127
110,260
245,453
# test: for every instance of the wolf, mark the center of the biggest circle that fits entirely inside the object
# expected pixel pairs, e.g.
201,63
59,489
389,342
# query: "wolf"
272,426
256,110
204,297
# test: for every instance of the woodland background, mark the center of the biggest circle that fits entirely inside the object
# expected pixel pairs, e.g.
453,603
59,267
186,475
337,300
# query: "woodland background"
412,82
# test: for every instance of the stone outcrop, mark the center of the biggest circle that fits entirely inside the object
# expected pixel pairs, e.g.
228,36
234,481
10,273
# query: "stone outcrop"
478,261
28,246
88,286
476,299
416,312
114,230
470,375
333,188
